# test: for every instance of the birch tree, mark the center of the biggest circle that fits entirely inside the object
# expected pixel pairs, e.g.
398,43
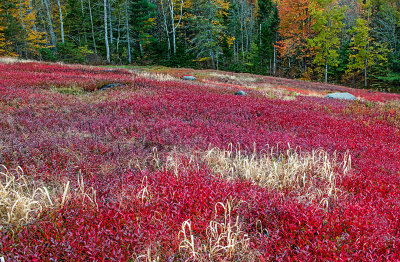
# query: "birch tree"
61,21
50,23
128,38
175,9
92,26
106,31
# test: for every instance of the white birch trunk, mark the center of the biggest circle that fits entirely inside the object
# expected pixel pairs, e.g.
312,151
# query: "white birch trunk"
326,71
106,31
166,28
91,23
110,21
61,21
365,73
174,27
23,28
128,38
51,28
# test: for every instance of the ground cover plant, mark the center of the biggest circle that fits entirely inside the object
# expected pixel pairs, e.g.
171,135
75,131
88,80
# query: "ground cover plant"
159,169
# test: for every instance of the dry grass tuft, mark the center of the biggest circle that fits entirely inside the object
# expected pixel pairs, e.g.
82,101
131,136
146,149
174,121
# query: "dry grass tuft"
12,60
21,199
181,161
153,75
246,78
153,254
144,194
311,175
225,238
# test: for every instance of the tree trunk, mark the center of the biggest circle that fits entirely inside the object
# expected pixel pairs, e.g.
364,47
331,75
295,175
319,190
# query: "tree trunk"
106,32
118,34
326,71
110,21
274,60
365,73
174,27
50,23
166,29
23,29
141,48
128,38
83,22
91,22
61,21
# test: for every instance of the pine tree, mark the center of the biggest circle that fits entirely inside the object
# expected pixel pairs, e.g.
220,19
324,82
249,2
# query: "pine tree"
142,18
267,23
208,40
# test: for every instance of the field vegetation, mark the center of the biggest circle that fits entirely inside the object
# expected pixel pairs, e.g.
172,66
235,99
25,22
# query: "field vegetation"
161,169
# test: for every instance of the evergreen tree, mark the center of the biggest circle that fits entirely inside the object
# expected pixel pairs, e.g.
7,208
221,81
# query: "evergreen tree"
208,41
142,20
75,24
267,23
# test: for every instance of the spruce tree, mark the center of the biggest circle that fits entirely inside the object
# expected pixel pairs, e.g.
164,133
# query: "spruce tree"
142,20
267,25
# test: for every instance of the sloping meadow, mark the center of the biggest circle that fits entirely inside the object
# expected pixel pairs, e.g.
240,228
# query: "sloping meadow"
160,169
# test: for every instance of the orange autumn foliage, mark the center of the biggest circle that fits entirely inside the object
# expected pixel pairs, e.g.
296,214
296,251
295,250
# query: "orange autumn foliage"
295,27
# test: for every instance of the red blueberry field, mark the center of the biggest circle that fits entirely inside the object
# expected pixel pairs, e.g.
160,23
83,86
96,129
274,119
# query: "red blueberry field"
155,168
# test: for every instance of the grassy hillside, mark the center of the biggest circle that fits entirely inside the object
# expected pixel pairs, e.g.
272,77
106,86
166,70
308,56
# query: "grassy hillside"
161,169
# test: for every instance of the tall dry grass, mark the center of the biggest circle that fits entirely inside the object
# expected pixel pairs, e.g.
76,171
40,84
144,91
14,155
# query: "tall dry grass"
225,239
12,60
154,75
23,199
313,176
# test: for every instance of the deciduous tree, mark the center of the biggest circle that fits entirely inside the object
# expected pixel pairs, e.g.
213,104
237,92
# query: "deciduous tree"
325,44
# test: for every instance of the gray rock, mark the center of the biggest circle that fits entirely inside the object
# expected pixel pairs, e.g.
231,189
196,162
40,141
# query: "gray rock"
190,78
345,96
240,93
111,86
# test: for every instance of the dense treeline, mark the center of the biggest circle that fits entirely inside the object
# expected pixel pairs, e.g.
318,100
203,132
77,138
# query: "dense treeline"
337,41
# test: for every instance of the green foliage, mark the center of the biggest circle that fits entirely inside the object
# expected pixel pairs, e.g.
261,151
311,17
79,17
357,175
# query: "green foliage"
75,23
207,42
227,53
267,24
326,42
48,55
142,20
70,90
343,41
359,46
70,53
